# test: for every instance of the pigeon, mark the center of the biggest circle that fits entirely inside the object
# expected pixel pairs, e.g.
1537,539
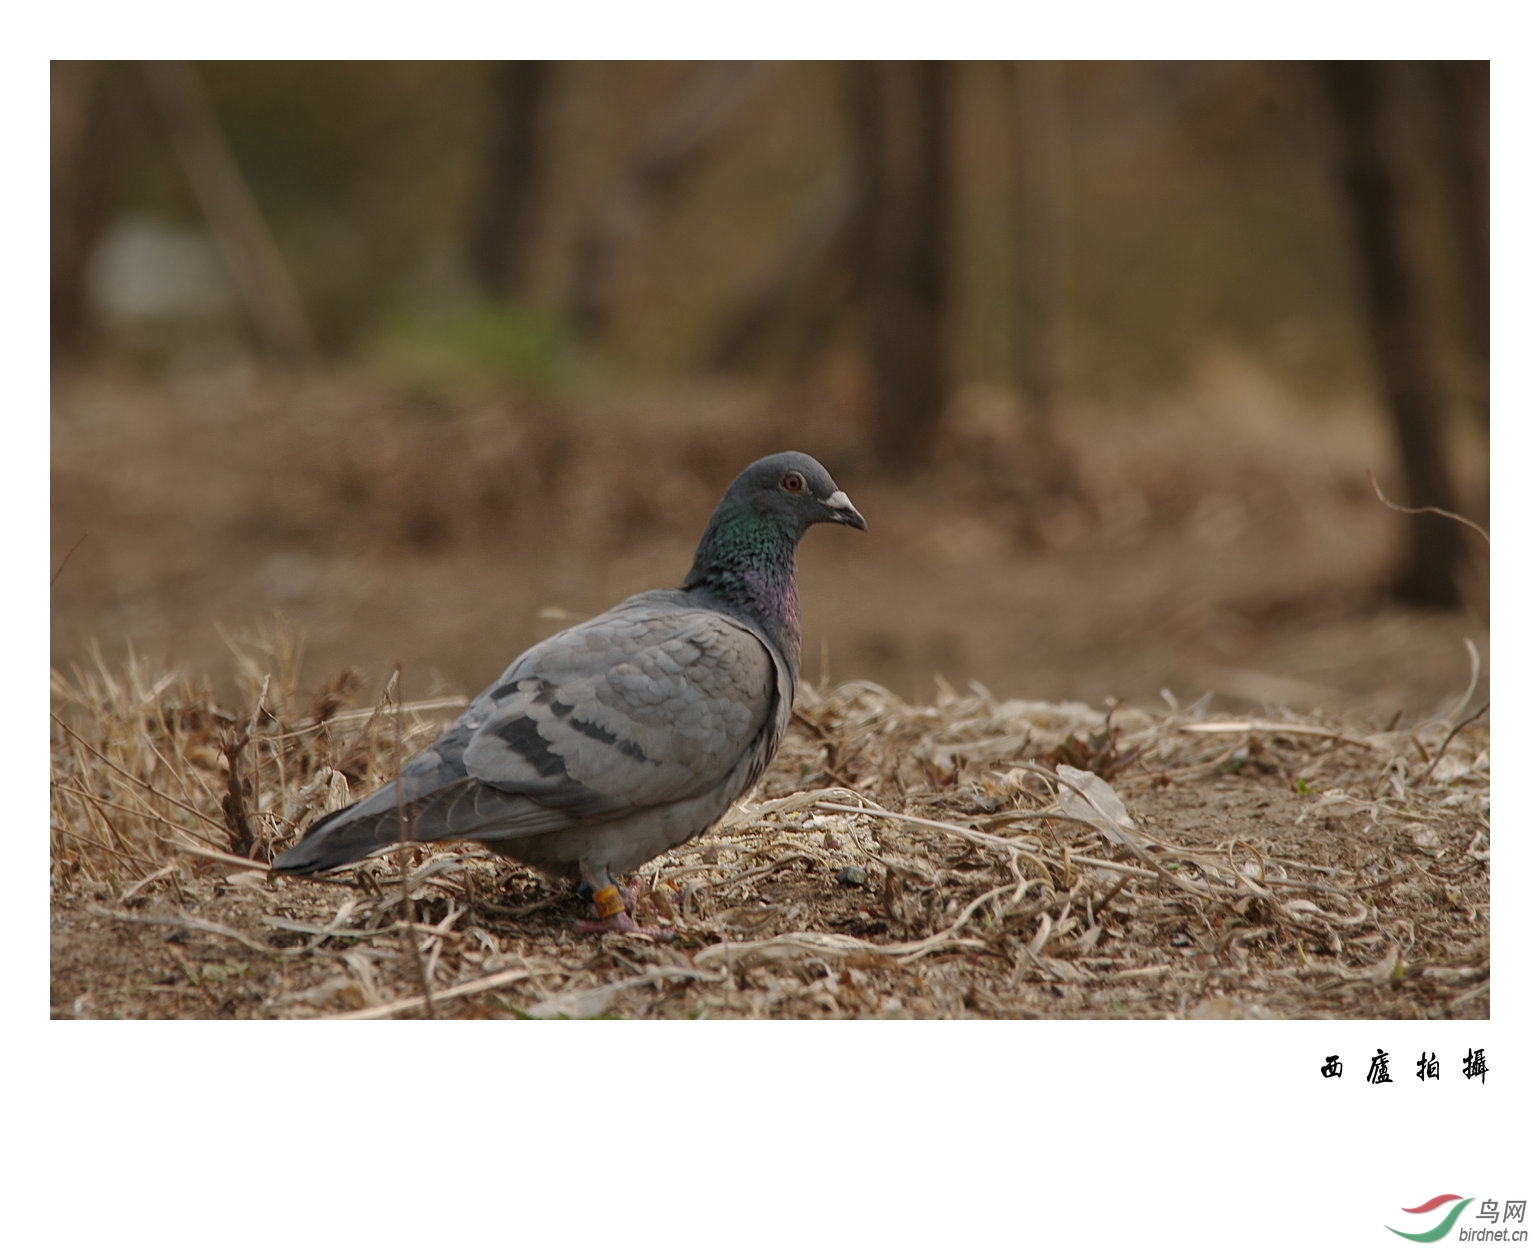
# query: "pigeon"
618,739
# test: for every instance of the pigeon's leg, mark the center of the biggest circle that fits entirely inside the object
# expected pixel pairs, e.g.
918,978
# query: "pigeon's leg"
610,905
628,894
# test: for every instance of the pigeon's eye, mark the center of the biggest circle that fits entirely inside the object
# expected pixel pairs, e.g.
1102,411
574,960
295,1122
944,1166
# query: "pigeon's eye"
794,483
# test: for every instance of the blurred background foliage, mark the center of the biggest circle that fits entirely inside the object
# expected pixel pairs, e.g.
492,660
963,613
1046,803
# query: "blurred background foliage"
1202,198
889,241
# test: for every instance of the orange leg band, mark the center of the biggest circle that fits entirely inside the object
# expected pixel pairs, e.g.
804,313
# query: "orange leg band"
608,902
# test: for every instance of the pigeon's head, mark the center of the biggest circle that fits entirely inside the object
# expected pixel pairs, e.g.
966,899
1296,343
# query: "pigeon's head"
747,558
793,490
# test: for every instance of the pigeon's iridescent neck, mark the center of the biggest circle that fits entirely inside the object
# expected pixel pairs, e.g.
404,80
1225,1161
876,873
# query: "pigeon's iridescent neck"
751,565
775,601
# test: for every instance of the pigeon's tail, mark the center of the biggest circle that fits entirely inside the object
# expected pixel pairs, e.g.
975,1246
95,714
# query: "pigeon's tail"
432,800
345,835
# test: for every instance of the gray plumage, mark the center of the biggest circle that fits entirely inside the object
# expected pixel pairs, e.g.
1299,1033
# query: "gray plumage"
617,739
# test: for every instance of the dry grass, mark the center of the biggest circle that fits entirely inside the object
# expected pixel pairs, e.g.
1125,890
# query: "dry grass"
898,860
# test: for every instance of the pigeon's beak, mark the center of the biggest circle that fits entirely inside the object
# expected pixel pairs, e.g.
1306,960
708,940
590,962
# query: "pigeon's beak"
842,511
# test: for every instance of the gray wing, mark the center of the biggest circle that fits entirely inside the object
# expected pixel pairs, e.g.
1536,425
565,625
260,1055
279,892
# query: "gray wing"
653,702
645,705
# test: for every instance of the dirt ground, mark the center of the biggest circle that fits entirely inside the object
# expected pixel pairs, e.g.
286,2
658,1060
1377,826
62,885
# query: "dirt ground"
1323,854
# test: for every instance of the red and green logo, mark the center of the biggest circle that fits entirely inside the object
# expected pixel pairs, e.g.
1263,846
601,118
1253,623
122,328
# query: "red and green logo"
1444,1226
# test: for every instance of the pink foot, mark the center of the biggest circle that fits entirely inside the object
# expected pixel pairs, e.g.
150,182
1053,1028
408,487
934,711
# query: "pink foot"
622,903
622,922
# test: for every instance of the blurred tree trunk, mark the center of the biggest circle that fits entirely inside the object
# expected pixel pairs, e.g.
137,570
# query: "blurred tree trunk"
1461,95
900,113
1039,166
501,248
92,116
1403,347
251,257
814,249
1040,184
673,141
